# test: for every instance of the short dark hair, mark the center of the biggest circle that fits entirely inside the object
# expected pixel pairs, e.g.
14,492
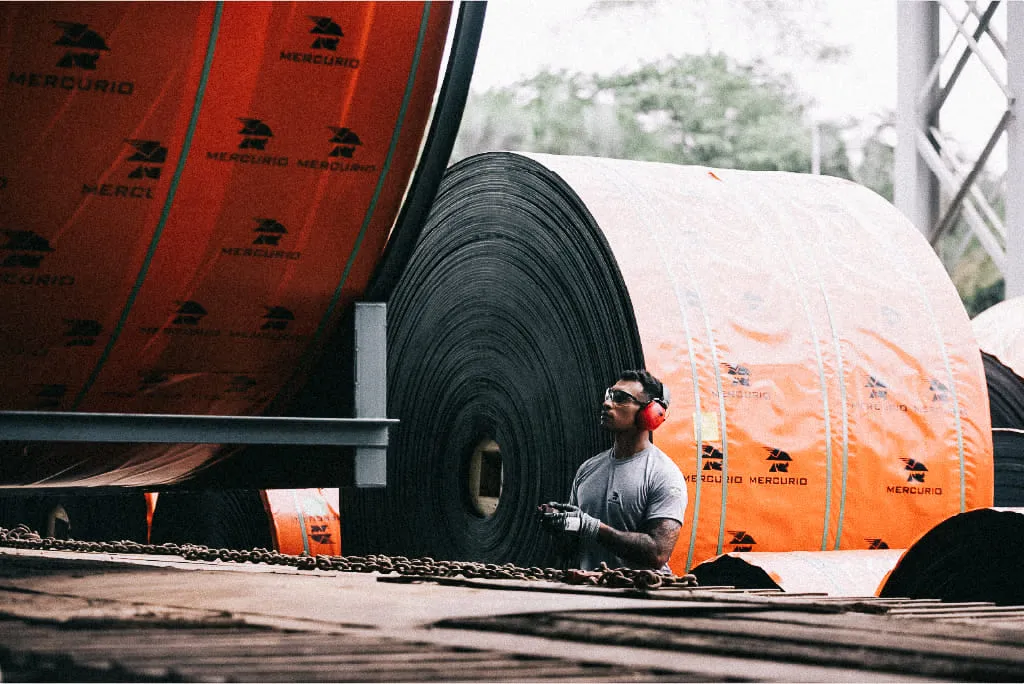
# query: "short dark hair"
653,387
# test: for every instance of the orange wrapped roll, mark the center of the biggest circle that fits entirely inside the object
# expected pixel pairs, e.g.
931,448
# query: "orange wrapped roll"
304,521
190,196
827,390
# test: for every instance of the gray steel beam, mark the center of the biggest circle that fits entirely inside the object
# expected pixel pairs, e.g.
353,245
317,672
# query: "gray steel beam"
49,426
979,31
946,222
367,432
916,189
371,386
1014,269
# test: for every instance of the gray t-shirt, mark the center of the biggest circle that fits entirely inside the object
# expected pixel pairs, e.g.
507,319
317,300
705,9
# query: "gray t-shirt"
625,494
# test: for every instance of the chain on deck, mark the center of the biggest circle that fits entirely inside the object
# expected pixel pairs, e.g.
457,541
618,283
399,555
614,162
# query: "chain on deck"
22,537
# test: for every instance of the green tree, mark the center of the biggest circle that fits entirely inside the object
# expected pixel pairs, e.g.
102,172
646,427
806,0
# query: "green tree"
878,161
695,109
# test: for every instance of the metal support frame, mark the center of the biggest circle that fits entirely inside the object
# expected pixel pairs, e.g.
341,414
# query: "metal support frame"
371,387
1014,270
151,428
915,189
926,160
368,431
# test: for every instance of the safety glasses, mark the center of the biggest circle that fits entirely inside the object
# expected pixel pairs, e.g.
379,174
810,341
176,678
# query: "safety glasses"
617,396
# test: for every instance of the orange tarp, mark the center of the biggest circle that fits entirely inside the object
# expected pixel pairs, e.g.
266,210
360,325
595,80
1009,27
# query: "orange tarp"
191,195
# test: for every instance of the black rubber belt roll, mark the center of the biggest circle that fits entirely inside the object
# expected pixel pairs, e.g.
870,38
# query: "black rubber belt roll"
973,556
1008,466
231,519
1006,404
1005,393
511,274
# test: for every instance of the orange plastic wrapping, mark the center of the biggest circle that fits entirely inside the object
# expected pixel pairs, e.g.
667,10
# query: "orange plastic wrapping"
151,501
1000,332
190,195
827,389
305,521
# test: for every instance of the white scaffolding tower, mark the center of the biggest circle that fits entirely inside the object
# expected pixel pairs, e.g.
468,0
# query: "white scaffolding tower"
934,185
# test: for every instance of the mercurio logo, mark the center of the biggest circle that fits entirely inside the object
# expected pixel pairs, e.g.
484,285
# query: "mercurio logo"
320,534
150,155
28,249
875,544
940,393
327,33
741,541
255,135
273,326
878,396
778,471
189,313
878,389
81,332
712,469
86,46
740,375
78,64
187,321
741,379
713,457
146,158
344,142
277,318
916,470
22,251
779,459
268,232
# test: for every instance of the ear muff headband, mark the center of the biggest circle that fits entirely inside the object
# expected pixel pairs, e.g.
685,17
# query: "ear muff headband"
652,414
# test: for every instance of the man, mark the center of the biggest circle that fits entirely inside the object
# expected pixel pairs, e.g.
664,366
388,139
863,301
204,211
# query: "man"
627,503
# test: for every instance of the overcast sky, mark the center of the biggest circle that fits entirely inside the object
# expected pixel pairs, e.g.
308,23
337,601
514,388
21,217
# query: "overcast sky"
522,36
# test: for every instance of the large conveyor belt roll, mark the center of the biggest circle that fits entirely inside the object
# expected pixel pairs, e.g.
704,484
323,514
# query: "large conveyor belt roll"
1008,466
828,393
973,556
191,196
1005,393
1000,333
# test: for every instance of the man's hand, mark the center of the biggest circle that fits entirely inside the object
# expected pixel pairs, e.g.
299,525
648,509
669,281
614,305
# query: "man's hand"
569,519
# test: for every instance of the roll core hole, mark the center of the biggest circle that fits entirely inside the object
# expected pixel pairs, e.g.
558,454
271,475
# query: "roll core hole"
485,477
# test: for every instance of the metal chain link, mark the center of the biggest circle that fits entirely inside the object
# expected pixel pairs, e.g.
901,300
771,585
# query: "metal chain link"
21,537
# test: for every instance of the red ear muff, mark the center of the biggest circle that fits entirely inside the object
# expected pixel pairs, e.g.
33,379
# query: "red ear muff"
651,415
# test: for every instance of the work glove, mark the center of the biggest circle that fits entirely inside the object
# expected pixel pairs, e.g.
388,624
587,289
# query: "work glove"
569,520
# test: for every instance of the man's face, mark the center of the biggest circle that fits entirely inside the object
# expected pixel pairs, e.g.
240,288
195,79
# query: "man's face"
618,411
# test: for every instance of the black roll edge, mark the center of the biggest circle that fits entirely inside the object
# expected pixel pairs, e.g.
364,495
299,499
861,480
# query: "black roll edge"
972,556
